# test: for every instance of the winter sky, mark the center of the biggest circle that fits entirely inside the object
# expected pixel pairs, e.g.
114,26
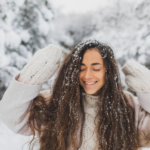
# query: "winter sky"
82,6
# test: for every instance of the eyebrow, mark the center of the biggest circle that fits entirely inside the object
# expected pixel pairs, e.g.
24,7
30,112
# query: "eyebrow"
92,64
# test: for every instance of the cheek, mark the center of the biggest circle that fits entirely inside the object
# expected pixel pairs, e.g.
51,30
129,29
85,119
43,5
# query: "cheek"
80,76
101,76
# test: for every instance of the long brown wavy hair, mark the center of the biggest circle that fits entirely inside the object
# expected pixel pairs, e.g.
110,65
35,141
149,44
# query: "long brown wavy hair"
57,118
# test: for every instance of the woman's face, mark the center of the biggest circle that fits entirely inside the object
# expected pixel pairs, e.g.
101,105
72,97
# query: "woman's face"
92,72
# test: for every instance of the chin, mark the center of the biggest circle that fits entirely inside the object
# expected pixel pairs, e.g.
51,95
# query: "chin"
91,93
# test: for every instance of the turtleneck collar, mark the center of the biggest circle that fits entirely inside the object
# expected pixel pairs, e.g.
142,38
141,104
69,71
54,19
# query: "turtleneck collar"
91,100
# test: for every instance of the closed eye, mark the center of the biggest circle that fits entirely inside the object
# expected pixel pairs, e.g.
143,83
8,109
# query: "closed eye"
93,69
82,69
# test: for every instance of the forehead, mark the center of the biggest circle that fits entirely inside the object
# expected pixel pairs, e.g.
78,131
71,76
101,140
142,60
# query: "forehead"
91,56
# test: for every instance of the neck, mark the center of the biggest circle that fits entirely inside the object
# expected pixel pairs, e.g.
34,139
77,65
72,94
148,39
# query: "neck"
91,100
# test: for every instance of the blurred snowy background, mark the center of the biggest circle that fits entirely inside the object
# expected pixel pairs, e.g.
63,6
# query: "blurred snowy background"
28,25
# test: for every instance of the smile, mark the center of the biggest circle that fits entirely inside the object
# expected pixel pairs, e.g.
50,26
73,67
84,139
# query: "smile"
91,83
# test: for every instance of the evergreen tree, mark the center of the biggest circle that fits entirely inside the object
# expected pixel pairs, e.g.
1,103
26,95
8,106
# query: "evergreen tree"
24,28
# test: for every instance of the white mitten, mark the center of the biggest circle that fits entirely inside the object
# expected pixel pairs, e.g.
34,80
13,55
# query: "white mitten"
44,63
137,77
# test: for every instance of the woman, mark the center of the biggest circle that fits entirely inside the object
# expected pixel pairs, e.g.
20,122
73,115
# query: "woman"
87,108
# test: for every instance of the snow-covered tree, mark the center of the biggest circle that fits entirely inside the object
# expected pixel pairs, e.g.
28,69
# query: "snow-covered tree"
25,26
125,26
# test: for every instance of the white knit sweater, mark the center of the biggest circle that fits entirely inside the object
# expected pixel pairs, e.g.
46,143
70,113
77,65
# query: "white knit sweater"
89,137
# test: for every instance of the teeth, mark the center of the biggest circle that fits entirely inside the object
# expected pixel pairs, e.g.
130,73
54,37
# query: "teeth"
90,83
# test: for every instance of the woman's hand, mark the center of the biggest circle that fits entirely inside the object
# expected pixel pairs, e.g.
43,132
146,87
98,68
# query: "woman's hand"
137,77
44,63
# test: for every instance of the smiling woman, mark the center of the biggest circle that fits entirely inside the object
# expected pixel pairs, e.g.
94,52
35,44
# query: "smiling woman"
92,72
87,108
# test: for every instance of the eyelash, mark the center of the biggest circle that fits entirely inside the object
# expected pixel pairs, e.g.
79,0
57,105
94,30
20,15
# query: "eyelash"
93,69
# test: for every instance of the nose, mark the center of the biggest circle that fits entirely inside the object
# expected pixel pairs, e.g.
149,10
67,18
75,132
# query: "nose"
88,74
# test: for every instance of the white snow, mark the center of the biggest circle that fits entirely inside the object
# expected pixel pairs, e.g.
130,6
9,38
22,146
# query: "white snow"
25,36
2,42
10,140
12,39
142,59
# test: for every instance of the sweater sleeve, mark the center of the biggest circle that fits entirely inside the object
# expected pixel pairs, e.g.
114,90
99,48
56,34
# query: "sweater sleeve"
15,103
141,105
144,100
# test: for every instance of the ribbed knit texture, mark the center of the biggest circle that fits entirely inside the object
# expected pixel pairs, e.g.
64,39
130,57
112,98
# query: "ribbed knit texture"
42,66
137,77
89,137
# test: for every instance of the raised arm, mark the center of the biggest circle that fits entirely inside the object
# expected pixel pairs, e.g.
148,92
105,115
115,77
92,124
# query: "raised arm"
137,78
25,86
15,103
